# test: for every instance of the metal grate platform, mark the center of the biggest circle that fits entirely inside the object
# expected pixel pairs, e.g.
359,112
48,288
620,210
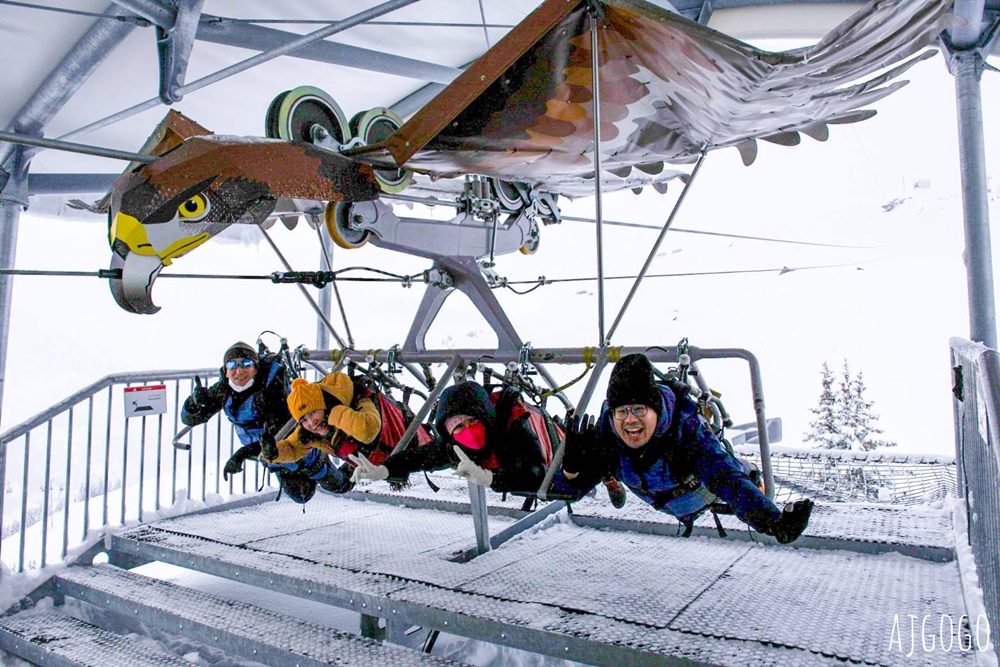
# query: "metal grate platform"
596,596
922,532
57,640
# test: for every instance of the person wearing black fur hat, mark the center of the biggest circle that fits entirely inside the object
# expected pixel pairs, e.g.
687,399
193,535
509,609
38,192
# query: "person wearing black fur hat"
251,392
657,444
492,445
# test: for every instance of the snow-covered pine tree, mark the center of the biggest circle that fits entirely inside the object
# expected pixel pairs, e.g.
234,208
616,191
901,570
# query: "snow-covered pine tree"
825,429
864,418
844,417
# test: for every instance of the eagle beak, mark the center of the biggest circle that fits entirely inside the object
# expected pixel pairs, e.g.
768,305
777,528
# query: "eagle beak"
133,290
136,262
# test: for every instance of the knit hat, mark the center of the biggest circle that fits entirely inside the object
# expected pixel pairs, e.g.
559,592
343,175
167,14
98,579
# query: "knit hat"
632,382
451,422
304,398
466,398
240,350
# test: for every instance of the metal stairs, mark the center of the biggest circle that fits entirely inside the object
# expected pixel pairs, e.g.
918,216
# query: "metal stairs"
137,603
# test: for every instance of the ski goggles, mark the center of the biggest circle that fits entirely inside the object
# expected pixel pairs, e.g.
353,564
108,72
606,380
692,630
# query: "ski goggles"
233,364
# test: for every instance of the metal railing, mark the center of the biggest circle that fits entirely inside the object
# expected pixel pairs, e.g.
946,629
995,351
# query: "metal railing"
81,466
976,371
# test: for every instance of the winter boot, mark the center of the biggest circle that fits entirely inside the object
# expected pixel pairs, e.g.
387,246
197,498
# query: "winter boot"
616,492
793,521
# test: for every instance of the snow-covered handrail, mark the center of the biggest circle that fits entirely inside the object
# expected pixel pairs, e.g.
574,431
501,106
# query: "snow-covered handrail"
976,390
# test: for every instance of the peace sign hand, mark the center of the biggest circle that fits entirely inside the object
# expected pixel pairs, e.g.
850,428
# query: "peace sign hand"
470,471
366,469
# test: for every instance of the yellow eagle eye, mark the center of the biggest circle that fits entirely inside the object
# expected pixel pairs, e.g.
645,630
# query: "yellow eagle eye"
194,209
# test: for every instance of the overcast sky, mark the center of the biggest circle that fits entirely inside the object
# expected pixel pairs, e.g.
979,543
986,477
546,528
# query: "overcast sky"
889,311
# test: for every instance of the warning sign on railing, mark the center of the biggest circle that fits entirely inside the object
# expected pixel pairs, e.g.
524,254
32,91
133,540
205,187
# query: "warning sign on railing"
145,401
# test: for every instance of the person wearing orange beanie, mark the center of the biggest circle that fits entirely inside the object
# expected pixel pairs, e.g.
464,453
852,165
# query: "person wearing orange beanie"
332,416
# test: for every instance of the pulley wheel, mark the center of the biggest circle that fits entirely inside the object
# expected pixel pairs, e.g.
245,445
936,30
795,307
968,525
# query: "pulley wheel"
507,194
294,113
530,246
340,225
373,127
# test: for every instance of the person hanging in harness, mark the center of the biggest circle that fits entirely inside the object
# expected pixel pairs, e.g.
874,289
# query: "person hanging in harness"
656,443
333,419
489,439
251,393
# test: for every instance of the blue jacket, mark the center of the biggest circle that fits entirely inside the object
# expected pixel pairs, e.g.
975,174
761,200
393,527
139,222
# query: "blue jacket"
680,471
260,408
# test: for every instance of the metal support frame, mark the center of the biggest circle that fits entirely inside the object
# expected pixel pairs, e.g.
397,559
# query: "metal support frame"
226,72
13,199
468,280
312,302
967,67
65,79
666,354
656,246
595,67
173,46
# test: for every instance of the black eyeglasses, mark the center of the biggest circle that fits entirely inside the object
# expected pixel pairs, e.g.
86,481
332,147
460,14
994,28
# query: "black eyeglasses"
233,364
621,414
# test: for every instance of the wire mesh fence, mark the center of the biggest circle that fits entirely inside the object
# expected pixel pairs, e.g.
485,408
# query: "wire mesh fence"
846,476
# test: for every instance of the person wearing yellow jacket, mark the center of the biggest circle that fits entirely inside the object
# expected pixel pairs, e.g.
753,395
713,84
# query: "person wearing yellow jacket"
334,418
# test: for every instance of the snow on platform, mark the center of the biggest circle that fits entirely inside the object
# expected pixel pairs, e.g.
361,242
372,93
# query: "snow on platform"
924,532
595,596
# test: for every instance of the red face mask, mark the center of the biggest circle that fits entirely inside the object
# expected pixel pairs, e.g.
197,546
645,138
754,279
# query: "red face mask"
472,437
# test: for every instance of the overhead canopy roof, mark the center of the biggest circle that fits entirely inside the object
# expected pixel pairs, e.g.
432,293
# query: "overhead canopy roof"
78,66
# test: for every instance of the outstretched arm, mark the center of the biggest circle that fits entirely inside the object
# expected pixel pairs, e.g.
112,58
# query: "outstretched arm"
202,403
723,474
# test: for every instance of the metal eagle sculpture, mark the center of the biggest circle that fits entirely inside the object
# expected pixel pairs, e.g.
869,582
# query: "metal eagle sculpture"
670,89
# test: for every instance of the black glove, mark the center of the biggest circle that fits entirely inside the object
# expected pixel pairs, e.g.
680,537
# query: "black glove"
581,442
268,446
199,395
793,521
235,462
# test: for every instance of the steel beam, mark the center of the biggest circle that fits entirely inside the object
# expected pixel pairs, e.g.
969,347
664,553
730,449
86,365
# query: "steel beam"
13,199
259,38
243,65
967,68
62,83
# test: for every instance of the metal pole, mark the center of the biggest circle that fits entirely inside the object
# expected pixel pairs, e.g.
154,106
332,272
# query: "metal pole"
66,490
10,213
295,44
312,302
82,60
598,212
47,486
418,419
588,392
480,517
322,333
656,247
25,480
967,68
90,443
26,140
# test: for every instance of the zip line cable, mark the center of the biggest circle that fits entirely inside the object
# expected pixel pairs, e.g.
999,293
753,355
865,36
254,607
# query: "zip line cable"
324,277
681,230
542,280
